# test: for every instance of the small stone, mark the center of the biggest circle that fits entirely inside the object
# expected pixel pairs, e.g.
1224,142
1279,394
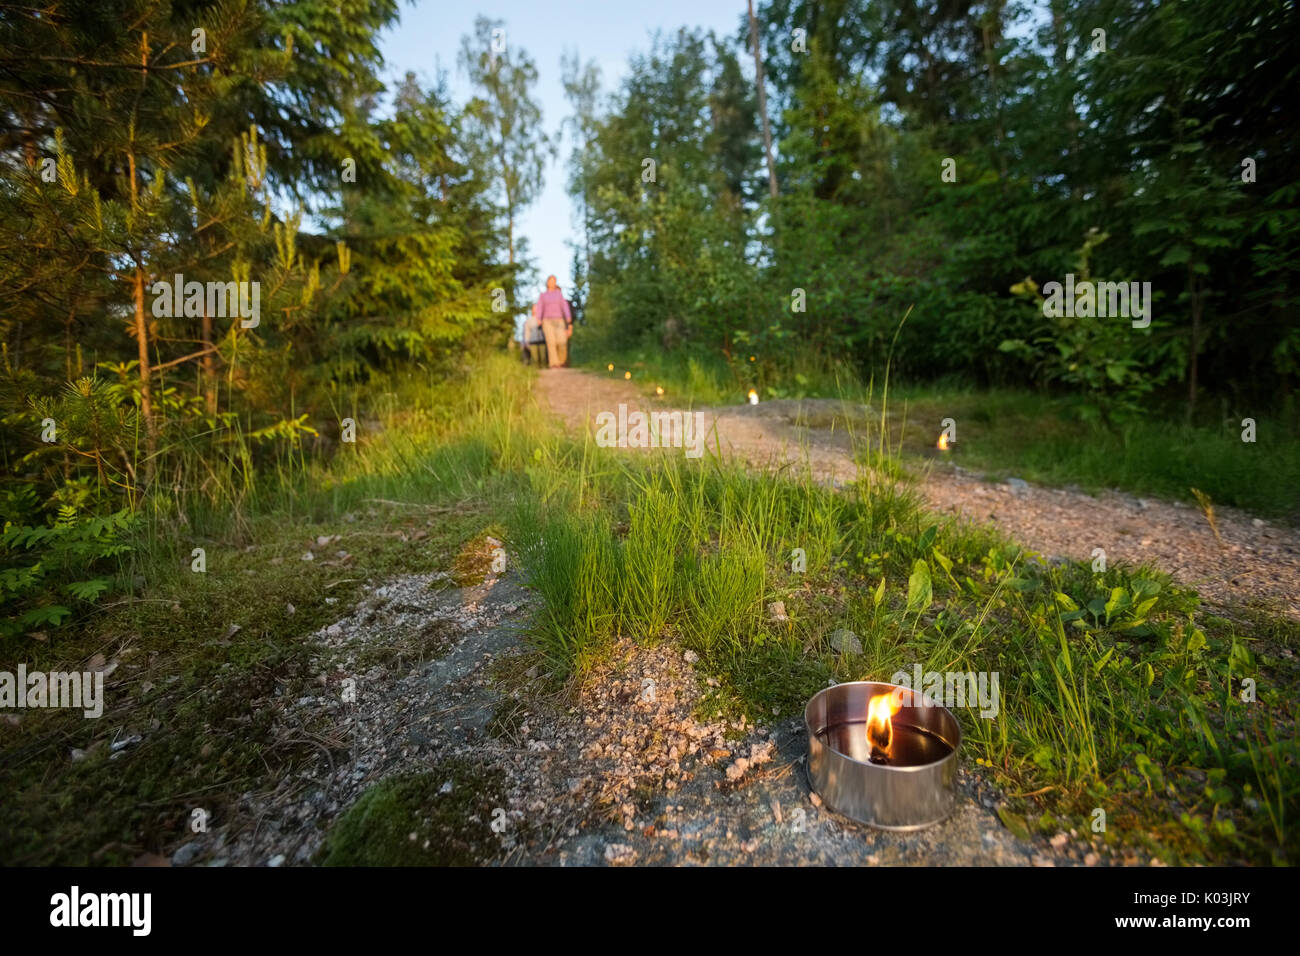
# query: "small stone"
289,608
308,556
187,854
776,612
1091,859
816,800
1017,485
445,788
1257,522
691,657
1059,841
619,854
277,860
844,641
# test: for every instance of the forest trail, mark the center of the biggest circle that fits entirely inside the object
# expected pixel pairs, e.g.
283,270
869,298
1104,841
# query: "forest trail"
1257,561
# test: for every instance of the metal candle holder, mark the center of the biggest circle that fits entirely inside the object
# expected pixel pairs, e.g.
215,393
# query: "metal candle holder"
917,785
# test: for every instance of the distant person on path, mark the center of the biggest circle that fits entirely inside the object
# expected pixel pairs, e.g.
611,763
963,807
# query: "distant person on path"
552,309
520,337
533,342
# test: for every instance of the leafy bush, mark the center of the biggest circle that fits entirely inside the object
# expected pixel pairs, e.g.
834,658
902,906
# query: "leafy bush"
46,571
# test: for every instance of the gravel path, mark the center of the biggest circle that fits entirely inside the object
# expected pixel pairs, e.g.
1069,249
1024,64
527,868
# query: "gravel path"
1257,561
623,773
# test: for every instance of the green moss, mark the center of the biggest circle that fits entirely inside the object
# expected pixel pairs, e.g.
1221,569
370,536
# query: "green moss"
410,821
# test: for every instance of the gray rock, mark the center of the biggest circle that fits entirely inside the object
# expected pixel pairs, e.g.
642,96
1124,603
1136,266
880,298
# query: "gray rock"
187,854
844,641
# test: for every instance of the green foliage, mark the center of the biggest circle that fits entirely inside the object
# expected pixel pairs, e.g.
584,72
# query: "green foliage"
47,572
206,165
1047,145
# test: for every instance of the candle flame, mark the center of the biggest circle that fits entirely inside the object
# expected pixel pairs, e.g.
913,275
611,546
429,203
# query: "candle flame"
610,366
753,397
942,444
880,726
627,375
659,389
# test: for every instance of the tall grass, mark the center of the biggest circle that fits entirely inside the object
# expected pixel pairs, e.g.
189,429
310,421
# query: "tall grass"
1112,693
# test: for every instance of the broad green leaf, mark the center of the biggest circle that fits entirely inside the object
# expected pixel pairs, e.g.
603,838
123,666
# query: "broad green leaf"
1066,602
1119,600
927,538
920,593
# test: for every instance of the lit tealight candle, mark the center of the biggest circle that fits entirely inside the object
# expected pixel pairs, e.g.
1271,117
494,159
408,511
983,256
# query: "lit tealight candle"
627,374
753,397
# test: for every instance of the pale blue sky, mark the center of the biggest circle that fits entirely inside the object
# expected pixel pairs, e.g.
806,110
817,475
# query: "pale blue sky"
607,31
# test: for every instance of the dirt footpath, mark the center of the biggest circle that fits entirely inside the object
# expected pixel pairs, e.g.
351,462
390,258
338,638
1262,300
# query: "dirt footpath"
1256,562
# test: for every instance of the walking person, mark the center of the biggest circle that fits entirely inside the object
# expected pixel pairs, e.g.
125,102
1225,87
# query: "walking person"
557,322
534,343
520,339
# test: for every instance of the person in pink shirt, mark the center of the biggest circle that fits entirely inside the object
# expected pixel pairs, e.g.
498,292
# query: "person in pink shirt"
553,311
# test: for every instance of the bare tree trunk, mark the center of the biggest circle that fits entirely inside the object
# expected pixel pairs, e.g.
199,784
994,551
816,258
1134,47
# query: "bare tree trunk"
141,323
1061,43
209,367
142,350
992,33
762,101
1196,343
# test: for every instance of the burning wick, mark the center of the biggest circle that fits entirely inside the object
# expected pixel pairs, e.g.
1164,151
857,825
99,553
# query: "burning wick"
880,727
753,397
942,444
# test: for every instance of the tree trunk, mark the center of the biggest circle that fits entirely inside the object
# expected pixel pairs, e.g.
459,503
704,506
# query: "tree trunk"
209,367
762,101
141,323
142,350
992,34
1196,343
